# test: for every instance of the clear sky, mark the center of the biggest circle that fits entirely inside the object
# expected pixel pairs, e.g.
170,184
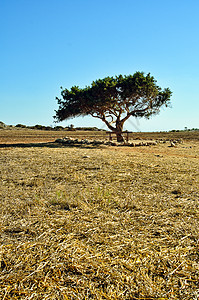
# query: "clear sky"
45,44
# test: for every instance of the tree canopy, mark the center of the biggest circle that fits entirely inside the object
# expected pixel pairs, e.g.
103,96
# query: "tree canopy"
114,100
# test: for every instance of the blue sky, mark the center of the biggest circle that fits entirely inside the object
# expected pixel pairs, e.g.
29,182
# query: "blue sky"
45,44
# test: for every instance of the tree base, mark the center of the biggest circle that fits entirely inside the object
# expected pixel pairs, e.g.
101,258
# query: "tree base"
120,138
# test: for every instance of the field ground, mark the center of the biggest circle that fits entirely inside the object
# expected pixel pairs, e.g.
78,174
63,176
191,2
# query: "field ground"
41,136
99,222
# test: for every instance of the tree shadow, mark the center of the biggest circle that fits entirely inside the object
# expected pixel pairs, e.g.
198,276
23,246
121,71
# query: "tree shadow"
46,145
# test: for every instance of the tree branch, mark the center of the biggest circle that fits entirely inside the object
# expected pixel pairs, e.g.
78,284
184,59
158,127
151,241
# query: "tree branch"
103,118
126,118
95,116
112,112
107,123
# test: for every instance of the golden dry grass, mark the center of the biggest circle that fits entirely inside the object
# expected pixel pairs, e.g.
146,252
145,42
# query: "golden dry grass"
21,135
99,222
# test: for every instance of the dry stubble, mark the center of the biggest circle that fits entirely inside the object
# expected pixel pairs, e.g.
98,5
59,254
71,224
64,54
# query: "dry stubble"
99,223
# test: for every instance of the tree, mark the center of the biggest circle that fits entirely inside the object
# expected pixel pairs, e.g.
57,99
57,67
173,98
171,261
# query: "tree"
114,100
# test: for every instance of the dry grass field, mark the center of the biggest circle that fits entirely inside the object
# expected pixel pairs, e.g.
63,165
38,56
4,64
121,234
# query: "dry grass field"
98,222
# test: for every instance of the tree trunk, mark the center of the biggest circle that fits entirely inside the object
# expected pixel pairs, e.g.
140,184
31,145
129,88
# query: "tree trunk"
120,137
119,129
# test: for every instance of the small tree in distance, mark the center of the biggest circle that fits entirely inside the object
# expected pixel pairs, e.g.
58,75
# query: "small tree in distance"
114,100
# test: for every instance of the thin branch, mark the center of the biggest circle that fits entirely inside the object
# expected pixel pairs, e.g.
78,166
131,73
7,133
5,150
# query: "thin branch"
96,116
127,108
127,117
112,112
110,116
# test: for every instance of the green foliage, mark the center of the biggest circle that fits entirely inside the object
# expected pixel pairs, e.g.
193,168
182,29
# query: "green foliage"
2,125
59,128
20,126
114,99
39,127
89,129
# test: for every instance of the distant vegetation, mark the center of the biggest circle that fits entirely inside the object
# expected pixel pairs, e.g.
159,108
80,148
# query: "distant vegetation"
73,128
55,128
2,125
185,129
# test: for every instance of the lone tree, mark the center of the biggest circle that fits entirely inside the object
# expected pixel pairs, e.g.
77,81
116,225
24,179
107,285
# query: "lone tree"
114,100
